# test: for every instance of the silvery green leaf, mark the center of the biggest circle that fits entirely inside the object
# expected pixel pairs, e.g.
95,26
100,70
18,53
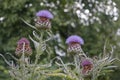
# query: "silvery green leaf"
29,24
36,35
35,42
103,59
109,67
12,56
5,60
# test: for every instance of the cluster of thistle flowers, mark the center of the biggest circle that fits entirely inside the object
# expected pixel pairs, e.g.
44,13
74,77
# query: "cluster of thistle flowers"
74,42
87,67
74,46
41,22
24,69
84,65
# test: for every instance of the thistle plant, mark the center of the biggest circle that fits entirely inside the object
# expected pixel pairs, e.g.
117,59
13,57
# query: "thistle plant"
24,68
82,66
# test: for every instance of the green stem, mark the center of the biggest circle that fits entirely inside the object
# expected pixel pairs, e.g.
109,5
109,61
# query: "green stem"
77,65
39,52
22,63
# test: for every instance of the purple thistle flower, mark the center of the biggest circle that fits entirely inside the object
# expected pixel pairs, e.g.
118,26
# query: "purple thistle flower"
23,45
75,39
74,44
86,62
44,13
43,19
23,40
87,66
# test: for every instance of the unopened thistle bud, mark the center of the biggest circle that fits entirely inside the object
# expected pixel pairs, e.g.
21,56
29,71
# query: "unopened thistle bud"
43,19
87,66
74,44
23,46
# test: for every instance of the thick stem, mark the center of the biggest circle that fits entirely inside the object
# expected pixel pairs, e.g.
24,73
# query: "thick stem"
77,64
22,63
39,52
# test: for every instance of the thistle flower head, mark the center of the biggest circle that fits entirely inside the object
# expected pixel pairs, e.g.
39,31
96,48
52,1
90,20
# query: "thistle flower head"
43,19
44,13
23,40
74,39
23,46
87,66
86,62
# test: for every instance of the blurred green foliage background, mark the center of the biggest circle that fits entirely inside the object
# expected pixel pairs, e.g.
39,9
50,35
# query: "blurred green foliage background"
94,20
